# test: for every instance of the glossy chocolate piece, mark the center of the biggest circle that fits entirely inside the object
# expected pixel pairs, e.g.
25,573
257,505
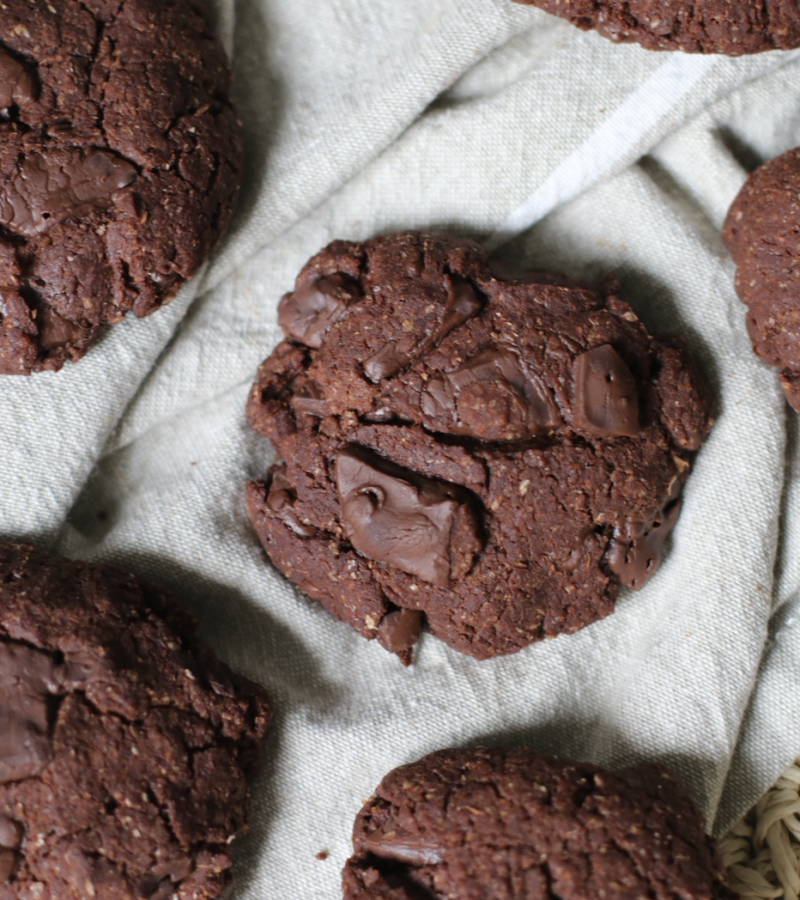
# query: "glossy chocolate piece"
16,83
55,330
634,553
281,498
463,302
49,187
398,517
27,678
400,629
492,397
606,399
306,314
390,842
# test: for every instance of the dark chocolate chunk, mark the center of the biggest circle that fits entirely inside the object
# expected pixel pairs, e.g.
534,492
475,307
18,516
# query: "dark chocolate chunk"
123,766
119,165
456,459
492,397
50,187
733,27
397,516
308,313
55,330
27,678
400,629
390,842
16,83
510,823
281,499
635,550
310,399
606,400
463,302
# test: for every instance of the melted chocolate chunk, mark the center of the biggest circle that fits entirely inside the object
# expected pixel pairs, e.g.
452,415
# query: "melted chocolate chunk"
308,313
463,302
492,397
634,553
606,401
390,842
281,498
82,668
55,330
27,678
401,518
16,83
52,186
400,630
309,400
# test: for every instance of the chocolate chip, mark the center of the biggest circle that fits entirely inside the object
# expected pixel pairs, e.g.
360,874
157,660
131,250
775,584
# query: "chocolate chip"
463,302
390,842
492,397
606,401
306,314
281,498
82,668
308,399
51,186
55,330
398,517
400,629
27,677
634,553
16,83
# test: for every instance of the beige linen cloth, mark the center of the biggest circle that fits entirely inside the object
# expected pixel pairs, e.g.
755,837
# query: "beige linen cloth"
559,150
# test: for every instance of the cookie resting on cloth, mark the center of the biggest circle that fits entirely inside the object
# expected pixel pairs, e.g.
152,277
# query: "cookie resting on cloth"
512,824
762,231
492,457
124,741
120,160
733,27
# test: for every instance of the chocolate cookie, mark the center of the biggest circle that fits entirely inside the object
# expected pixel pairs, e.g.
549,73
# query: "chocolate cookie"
124,741
762,231
120,160
733,27
506,824
493,456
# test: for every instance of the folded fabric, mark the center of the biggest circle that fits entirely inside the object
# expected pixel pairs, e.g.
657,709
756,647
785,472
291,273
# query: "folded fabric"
488,119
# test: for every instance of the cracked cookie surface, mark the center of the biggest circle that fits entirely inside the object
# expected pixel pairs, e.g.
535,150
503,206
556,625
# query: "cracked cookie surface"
121,157
505,824
125,742
493,457
732,27
762,231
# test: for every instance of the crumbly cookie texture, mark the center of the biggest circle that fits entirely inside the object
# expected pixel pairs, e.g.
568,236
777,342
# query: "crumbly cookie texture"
494,457
762,231
505,824
120,162
125,742
732,27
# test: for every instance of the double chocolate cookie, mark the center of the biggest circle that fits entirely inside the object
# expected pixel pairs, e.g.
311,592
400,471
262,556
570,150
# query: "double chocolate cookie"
733,27
762,231
124,741
507,824
492,456
120,160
